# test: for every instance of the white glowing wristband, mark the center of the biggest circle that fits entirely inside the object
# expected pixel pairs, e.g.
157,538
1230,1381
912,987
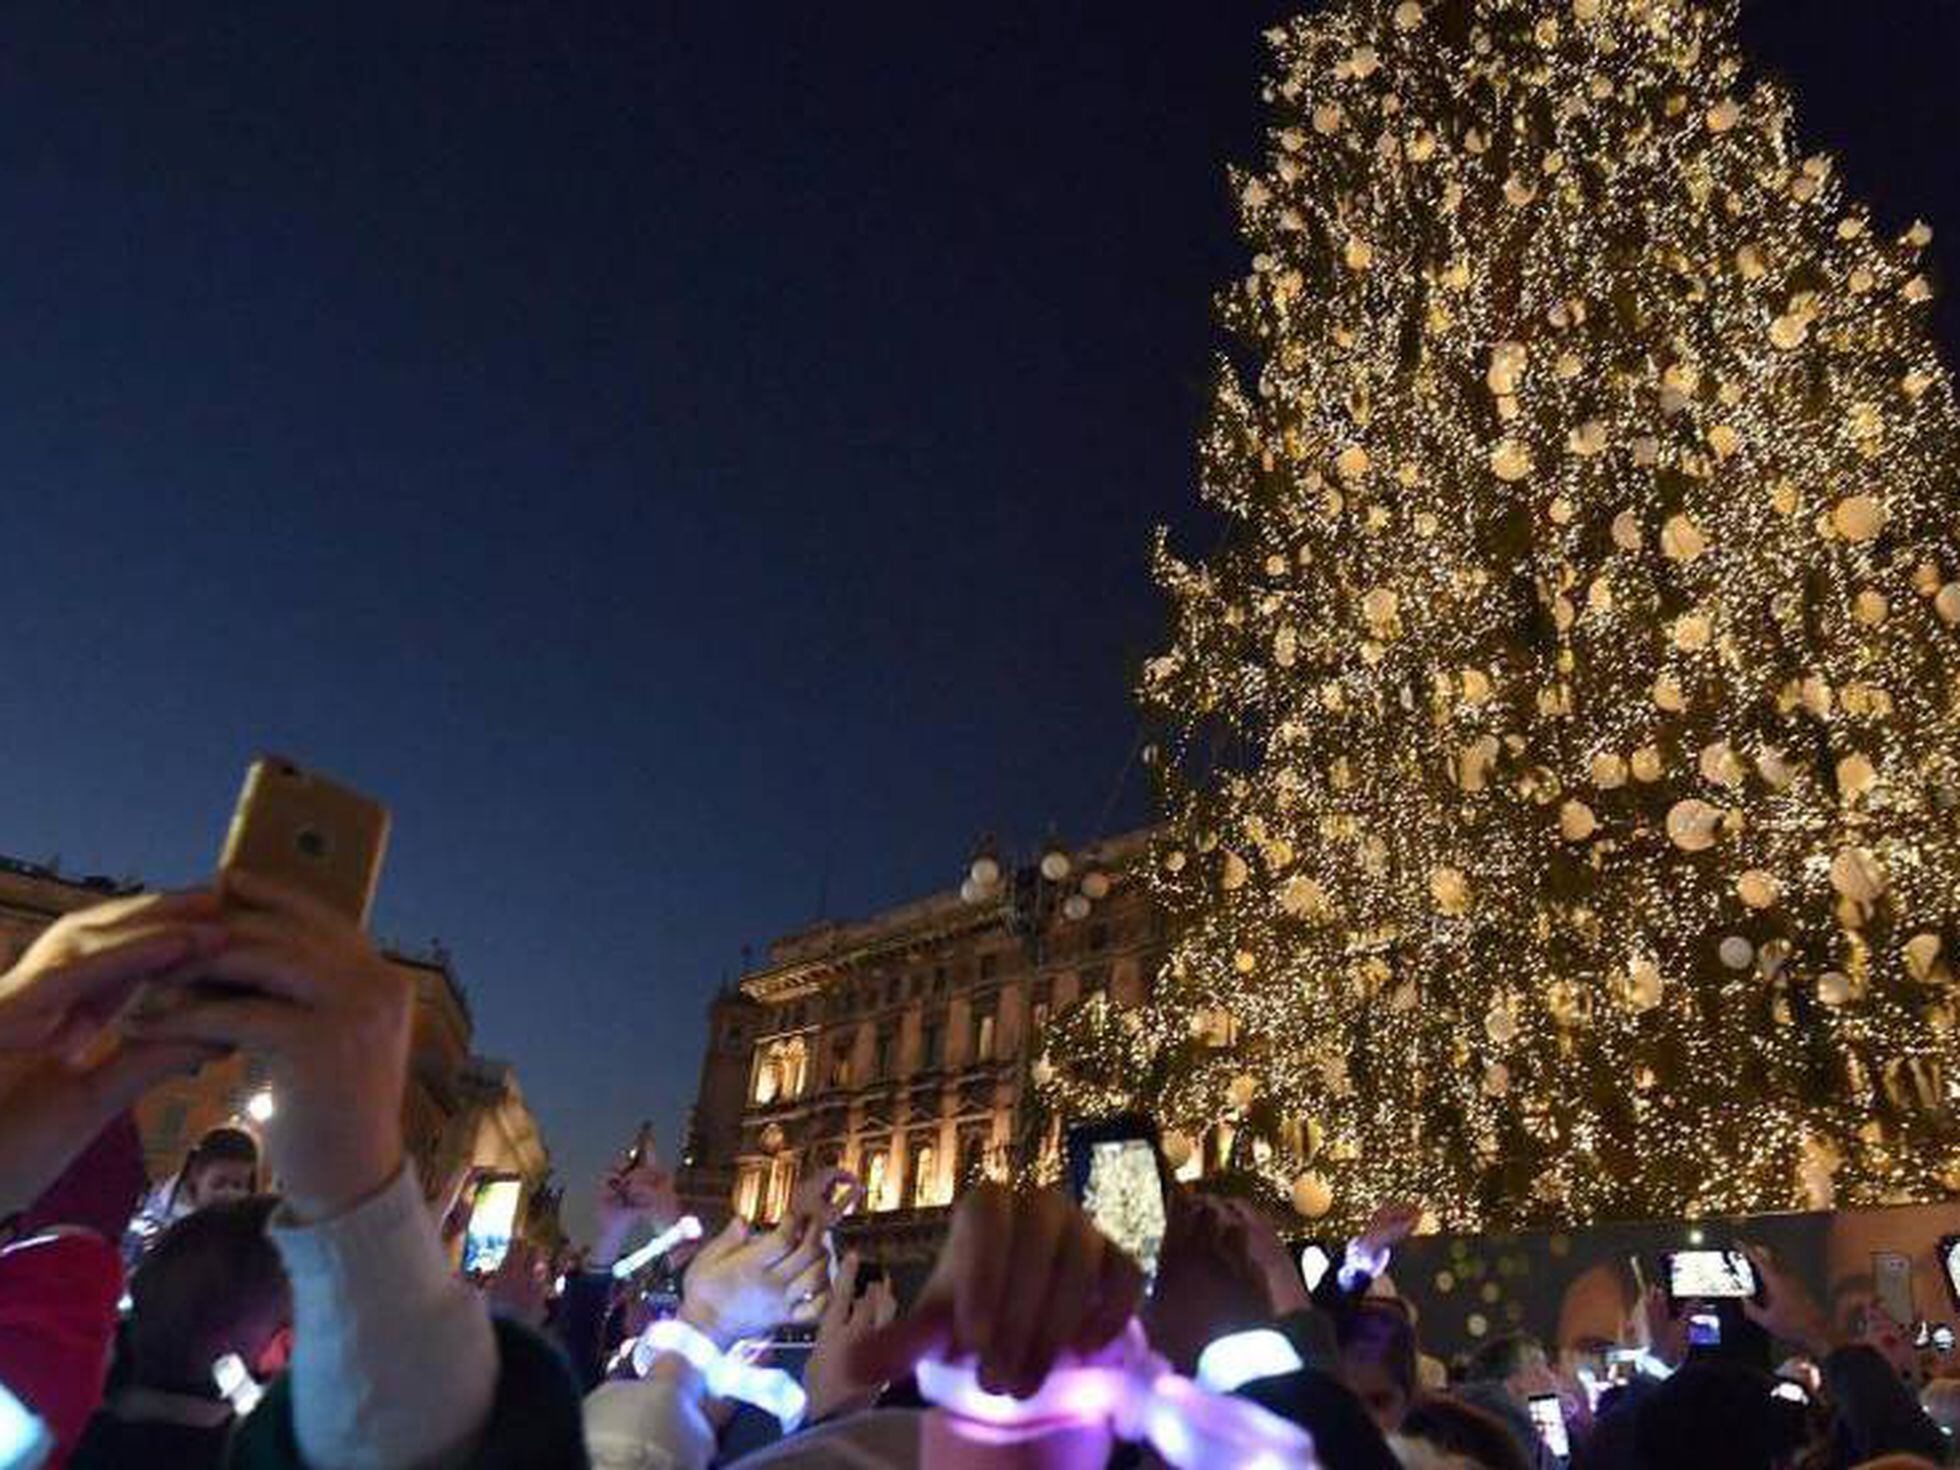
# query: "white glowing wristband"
688,1227
1230,1362
768,1389
1359,1262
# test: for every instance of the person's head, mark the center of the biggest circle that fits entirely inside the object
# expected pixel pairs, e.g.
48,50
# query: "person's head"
1719,1414
1466,1433
1515,1360
1378,1359
212,1284
223,1166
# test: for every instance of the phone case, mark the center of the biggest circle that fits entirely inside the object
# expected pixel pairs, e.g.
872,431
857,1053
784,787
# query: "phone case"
309,833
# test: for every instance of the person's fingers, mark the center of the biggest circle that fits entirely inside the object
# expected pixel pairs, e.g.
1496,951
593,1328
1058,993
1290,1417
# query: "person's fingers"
843,1293
1062,1306
137,1066
1039,1228
809,1250
97,982
884,1303
813,1280
255,891
895,1349
1119,1290
187,904
808,1310
281,969
976,1257
251,1023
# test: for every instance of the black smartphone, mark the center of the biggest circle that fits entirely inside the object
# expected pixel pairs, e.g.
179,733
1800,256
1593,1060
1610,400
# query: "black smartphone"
1116,1171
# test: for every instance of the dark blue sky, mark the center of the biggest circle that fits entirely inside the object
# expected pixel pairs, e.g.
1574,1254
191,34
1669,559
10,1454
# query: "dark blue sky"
683,457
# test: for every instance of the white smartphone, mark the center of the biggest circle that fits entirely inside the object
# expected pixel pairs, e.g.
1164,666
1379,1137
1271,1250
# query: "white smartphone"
1707,1276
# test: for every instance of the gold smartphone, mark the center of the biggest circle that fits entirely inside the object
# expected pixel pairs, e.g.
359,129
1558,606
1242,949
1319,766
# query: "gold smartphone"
303,830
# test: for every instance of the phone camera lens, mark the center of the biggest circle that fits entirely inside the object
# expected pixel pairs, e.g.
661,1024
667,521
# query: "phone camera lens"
311,842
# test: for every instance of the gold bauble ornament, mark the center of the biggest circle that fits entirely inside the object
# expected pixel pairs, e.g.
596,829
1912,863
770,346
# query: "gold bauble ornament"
1510,460
1922,956
1450,889
1234,874
1946,602
1301,897
1681,539
1834,988
1626,531
1241,1090
1646,764
1643,985
1313,1196
1408,15
1857,873
1576,821
1736,952
1856,777
1720,765
1858,517
1757,889
1609,772
1693,825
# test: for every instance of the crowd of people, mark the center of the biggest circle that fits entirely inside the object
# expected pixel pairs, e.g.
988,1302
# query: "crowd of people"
209,1322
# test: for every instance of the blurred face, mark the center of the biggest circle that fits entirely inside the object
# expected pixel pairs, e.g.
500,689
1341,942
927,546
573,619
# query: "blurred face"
222,1179
1377,1389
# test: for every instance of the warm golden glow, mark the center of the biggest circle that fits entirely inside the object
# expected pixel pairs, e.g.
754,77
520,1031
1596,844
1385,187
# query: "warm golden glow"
1561,748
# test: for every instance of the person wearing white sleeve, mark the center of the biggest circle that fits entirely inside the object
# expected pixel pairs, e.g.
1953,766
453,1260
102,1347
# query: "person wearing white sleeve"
395,1365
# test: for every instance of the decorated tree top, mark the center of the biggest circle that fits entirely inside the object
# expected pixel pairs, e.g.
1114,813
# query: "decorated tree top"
1562,758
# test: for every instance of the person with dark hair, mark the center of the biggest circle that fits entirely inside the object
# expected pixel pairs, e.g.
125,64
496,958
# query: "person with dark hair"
1469,1435
1377,1358
222,1165
211,1287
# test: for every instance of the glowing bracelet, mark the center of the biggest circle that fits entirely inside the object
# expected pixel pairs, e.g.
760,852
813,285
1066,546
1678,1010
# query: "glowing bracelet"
1360,1262
769,1389
1137,1396
1230,1362
686,1228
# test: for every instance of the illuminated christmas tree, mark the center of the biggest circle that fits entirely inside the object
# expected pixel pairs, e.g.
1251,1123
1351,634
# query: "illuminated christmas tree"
1562,753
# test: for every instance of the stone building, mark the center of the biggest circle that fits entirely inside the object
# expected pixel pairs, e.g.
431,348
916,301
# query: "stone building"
460,1110
899,1046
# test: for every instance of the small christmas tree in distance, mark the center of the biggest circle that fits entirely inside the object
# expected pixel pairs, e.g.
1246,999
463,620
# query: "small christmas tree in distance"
1561,756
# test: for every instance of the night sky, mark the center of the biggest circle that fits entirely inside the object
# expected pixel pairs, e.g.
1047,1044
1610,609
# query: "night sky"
695,462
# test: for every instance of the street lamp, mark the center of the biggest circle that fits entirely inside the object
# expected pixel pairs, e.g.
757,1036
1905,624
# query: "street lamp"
1030,895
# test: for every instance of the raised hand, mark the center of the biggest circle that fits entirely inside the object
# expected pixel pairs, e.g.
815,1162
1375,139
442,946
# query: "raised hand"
304,988
1787,1311
642,1194
828,1377
745,1283
1021,1279
63,1084
80,970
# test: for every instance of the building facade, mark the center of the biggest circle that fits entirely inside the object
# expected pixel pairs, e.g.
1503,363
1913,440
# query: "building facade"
900,1046
460,1111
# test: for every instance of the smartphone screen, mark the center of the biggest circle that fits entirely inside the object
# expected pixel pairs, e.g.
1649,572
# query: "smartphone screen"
1315,1263
24,1439
1892,1285
1548,1418
1790,1391
1710,1276
1704,1329
1949,1250
1124,1195
493,1220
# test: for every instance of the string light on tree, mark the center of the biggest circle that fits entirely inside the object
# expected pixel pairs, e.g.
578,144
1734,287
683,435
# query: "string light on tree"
1582,650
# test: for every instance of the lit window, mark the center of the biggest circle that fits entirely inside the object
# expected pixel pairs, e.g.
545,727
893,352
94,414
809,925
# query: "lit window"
877,1169
748,1192
983,1036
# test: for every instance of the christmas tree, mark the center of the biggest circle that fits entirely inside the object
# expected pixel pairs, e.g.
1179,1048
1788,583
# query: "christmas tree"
1560,747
